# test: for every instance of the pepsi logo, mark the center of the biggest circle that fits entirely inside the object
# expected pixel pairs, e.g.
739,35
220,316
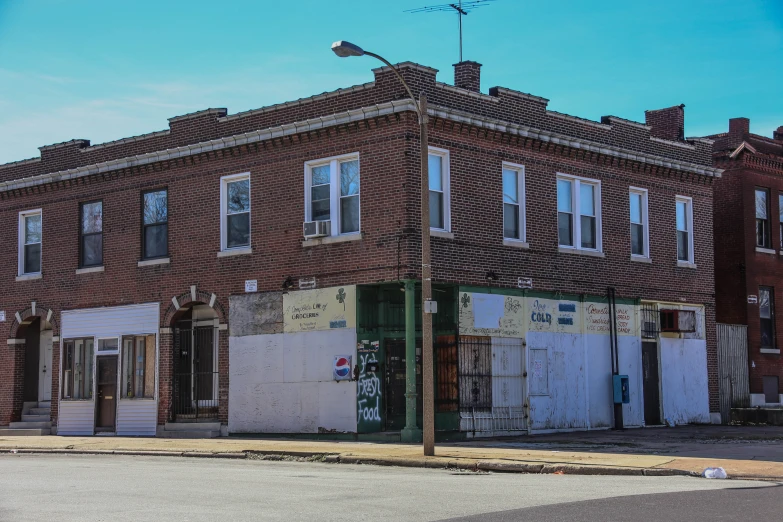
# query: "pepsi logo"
342,367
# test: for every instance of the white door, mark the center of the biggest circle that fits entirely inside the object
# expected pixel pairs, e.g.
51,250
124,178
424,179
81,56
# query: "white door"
508,386
45,367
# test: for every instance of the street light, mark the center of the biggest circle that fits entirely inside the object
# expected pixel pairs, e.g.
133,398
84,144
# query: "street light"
345,49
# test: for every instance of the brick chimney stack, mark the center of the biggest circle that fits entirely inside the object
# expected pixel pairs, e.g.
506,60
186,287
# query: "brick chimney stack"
467,75
667,124
738,129
778,134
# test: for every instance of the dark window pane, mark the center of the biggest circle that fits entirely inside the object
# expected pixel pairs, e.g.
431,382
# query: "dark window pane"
564,229
32,258
349,214
238,196
683,247
762,234
588,232
436,209
765,303
321,210
320,192
511,221
637,239
92,217
92,250
155,207
156,240
766,333
238,230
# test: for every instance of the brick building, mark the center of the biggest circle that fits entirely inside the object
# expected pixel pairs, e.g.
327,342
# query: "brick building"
161,283
748,244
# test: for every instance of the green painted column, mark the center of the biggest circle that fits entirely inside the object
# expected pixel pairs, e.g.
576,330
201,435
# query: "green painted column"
411,432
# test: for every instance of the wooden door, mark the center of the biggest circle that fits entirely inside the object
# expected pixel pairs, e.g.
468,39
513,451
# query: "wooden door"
651,386
106,414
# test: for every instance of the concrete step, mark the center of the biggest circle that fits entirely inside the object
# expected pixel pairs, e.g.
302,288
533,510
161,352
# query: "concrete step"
36,418
192,426
39,411
30,425
27,405
45,404
193,434
20,432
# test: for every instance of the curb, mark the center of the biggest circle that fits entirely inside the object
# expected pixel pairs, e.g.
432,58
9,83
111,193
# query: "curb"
429,463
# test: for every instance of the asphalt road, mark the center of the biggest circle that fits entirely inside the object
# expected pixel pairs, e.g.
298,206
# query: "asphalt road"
113,488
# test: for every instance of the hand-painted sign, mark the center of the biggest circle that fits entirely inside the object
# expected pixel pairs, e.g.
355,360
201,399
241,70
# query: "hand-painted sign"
547,315
491,315
321,309
342,368
597,319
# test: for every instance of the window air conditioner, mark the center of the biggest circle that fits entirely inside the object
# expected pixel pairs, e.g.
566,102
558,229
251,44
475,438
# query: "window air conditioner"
313,229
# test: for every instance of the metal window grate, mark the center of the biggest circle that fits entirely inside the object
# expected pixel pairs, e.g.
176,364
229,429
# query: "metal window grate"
475,373
650,321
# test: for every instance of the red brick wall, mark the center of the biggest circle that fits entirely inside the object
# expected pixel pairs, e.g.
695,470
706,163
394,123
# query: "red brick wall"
735,248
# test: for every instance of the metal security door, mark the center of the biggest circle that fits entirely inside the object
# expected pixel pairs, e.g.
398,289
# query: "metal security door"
734,389
475,382
651,387
508,386
395,382
195,373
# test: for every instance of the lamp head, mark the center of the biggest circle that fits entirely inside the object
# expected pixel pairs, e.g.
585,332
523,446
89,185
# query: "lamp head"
345,49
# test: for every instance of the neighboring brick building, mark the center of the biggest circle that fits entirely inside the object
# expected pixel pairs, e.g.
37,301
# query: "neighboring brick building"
748,233
143,268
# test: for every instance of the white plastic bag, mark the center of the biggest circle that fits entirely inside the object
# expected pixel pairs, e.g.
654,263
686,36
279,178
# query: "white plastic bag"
714,473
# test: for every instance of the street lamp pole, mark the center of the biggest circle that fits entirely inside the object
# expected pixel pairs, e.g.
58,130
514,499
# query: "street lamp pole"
345,49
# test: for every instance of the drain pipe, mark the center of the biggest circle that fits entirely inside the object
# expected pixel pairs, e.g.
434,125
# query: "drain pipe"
618,408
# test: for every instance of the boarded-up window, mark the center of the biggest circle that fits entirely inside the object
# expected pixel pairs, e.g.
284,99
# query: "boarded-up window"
138,367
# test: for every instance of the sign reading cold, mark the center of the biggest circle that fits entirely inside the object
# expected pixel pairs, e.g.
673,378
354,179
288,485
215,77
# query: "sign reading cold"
321,309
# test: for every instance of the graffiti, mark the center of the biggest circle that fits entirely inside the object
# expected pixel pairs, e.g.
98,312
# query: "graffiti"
368,393
465,300
341,297
512,305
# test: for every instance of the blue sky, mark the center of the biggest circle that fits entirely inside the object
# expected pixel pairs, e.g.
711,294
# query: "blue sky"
104,70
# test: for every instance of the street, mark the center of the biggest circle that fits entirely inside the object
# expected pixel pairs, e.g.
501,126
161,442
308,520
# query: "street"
119,488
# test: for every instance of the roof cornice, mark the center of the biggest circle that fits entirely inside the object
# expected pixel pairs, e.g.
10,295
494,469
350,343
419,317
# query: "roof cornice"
363,113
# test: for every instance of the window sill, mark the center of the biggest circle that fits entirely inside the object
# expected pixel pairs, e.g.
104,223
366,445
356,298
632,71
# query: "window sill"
763,250
29,277
235,252
640,259
591,253
90,270
770,351
686,264
328,240
153,262
441,233
516,243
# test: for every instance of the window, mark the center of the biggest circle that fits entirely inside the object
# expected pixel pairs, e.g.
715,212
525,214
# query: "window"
639,230
235,211
108,345
513,202
30,228
767,317
91,234
155,226
684,229
332,193
780,212
138,367
77,369
762,218
440,191
579,213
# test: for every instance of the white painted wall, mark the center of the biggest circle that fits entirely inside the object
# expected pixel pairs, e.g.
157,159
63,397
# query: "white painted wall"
282,383
599,376
685,395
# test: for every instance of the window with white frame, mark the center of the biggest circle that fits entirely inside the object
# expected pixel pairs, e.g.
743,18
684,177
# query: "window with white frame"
235,211
639,223
684,229
332,193
30,239
513,202
579,213
440,190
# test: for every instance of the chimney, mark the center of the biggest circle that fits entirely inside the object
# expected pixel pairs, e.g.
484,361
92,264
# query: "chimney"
738,129
778,134
467,75
667,124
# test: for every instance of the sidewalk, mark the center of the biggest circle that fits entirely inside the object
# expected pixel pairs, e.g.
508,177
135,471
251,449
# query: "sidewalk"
752,453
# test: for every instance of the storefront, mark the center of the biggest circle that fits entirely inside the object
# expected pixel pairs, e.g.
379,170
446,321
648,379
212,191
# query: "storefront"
108,371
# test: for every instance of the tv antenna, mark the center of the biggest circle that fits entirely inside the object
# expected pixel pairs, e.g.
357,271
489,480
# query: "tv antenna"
461,8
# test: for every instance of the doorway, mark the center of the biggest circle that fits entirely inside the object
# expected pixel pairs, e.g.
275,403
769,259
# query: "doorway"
32,357
395,383
651,384
106,407
195,370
